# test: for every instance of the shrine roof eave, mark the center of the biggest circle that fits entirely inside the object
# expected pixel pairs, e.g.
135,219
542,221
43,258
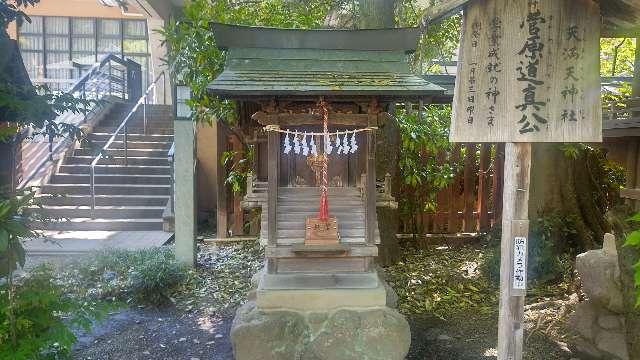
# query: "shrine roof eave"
300,84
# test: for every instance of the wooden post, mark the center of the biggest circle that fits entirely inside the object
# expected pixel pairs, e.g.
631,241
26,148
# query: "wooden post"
238,213
273,172
370,188
221,188
514,225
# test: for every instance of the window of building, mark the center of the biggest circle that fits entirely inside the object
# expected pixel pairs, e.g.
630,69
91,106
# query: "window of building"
53,47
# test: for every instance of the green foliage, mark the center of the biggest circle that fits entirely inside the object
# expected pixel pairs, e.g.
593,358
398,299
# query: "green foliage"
13,229
146,276
438,44
441,281
194,58
633,239
238,171
425,160
36,315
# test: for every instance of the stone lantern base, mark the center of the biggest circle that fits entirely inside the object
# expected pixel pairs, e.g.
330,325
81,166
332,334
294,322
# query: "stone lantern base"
320,324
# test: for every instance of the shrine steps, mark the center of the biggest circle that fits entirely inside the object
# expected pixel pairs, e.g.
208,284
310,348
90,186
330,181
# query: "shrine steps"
296,204
128,197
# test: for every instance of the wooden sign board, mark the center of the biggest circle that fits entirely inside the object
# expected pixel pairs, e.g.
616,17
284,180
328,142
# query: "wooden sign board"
318,232
528,71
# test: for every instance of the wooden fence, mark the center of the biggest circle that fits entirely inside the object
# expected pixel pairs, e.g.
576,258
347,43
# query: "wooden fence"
472,203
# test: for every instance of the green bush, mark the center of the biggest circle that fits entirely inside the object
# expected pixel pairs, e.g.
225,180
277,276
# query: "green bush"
33,325
146,276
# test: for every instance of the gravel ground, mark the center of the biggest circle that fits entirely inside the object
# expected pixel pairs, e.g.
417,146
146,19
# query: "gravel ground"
152,334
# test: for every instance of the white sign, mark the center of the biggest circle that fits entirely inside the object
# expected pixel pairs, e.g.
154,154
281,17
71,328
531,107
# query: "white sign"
520,263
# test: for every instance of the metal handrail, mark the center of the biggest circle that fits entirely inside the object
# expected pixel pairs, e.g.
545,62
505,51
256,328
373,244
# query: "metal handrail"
123,125
79,85
171,158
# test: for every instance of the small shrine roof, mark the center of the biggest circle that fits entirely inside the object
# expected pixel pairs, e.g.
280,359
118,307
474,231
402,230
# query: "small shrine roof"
273,62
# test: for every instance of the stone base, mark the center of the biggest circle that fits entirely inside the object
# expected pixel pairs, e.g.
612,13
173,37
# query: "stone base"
320,324
345,334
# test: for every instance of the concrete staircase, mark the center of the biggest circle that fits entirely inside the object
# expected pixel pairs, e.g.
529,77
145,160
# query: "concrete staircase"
296,204
128,198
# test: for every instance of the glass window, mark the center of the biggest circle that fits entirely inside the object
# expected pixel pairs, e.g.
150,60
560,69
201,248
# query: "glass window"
83,26
33,27
109,27
51,45
56,25
31,42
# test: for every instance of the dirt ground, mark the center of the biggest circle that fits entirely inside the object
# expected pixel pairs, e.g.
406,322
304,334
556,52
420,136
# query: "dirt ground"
151,334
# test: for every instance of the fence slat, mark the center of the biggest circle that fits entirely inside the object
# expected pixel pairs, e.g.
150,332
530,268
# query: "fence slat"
498,172
483,189
452,221
469,222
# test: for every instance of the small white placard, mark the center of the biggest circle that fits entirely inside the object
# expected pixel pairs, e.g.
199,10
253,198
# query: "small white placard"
520,263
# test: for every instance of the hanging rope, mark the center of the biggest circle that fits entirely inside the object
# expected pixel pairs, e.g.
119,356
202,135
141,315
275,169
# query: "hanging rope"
275,128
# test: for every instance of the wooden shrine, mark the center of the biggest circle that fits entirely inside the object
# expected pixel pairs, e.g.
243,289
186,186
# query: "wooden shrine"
285,75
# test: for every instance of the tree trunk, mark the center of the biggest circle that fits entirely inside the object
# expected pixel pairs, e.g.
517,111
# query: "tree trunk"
566,187
376,14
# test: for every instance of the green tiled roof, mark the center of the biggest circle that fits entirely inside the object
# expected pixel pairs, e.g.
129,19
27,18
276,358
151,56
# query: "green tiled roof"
349,65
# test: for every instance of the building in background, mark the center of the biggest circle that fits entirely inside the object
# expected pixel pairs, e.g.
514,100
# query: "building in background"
66,36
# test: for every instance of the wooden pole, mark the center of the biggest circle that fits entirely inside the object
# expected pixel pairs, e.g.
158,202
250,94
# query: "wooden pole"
515,227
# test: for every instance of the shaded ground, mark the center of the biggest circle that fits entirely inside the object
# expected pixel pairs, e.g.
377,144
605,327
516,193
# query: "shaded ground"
152,334
196,328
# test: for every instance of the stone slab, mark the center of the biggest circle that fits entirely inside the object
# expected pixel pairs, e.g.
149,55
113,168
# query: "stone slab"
319,298
78,242
366,280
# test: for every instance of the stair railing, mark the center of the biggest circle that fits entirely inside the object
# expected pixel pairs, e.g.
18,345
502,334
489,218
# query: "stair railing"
102,79
171,158
142,101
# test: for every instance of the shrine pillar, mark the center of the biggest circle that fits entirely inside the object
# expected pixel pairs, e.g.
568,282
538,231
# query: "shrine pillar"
185,184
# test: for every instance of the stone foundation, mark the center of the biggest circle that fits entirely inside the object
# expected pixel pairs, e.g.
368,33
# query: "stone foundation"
599,320
323,328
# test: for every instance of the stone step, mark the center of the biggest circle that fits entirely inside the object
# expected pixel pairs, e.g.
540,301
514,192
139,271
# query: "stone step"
120,152
101,189
62,178
88,224
116,160
104,212
95,136
135,130
116,169
103,200
155,145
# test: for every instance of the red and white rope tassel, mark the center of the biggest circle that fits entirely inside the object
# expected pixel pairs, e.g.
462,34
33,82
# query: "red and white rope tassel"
324,203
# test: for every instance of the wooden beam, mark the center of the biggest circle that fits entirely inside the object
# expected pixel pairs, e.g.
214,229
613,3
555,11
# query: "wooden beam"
446,8
514,224
631,194
221,190
300,119
273,173
370,188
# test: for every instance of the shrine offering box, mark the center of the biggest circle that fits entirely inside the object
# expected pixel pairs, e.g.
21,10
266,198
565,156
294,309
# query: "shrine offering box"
318,232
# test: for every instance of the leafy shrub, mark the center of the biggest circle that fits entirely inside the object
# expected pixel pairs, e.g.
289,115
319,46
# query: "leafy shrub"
633,239
146,276
32,325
